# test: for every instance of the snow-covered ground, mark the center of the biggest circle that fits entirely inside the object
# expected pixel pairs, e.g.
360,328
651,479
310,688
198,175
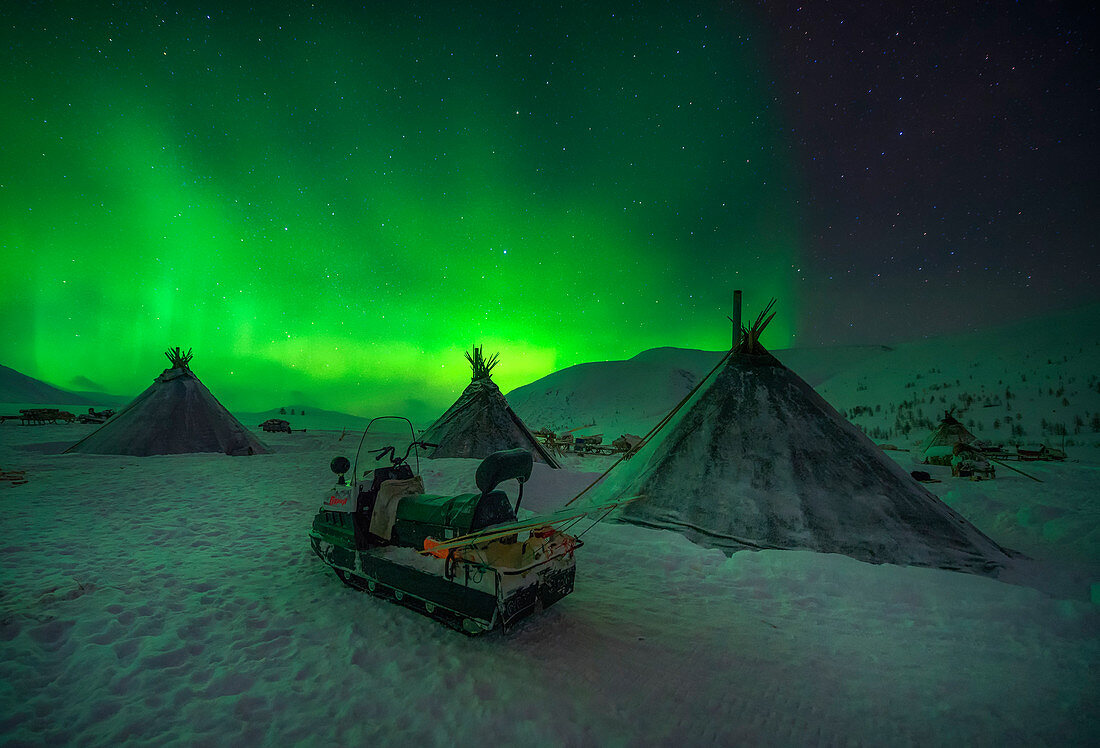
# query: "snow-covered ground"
174,600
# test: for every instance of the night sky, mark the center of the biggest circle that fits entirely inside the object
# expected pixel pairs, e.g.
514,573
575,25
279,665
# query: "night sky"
947,160
329,202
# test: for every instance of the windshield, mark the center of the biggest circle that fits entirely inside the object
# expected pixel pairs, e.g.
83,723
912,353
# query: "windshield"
382,432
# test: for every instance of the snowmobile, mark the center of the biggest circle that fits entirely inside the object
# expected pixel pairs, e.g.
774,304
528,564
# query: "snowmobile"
465,560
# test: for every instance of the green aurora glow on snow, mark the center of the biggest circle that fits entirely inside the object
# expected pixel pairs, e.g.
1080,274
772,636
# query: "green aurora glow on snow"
329,207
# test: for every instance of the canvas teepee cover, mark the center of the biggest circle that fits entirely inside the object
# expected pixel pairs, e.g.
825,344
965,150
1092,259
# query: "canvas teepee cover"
758,460
175,415
938,448
481,422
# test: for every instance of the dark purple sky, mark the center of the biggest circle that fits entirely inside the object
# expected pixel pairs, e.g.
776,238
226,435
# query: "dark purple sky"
948,157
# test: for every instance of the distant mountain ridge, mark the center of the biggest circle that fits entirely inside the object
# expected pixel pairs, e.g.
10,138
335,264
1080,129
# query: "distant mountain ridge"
16,387
304,417
1048,367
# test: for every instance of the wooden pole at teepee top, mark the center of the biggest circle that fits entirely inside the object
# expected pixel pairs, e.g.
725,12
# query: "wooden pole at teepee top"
736,318
479,365
178,358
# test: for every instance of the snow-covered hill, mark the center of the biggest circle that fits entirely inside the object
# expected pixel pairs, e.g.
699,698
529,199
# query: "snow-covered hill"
1036,381
631,396
1030,382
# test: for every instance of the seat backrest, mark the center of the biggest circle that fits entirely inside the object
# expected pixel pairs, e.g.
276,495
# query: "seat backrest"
501,466
492,509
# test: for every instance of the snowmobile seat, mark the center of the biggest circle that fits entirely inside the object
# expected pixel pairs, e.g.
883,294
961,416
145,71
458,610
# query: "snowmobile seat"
429,515
441,517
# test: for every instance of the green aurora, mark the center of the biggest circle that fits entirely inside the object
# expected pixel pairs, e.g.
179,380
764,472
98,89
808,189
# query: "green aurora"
329,206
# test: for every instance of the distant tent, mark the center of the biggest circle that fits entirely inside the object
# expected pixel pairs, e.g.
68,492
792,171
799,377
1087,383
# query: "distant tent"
481,422
938,448
757,460
175,415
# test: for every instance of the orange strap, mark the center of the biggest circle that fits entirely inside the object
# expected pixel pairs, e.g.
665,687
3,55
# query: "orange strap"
429,546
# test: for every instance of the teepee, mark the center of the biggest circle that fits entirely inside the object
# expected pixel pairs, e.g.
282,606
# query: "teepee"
175,415
939,447
481,422
757,460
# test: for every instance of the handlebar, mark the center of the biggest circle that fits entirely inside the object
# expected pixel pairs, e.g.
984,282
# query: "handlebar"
382,452
394,459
